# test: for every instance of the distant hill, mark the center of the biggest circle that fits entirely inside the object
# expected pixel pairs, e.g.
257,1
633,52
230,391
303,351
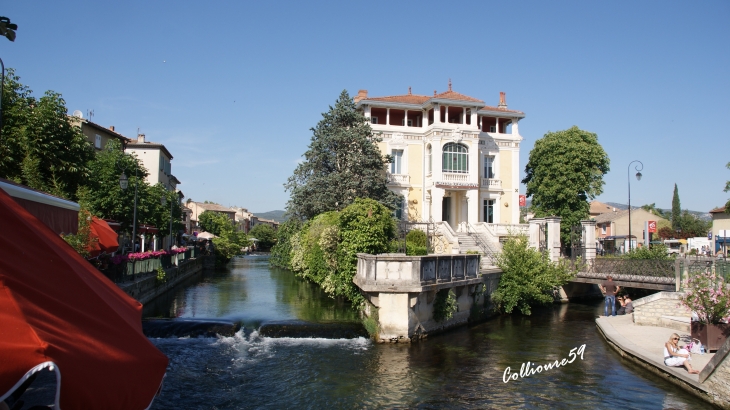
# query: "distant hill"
277,216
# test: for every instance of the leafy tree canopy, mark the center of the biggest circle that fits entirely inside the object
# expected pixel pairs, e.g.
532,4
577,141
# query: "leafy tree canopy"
564,172
342,163
528,277
265,234
651,208
216,223
40,146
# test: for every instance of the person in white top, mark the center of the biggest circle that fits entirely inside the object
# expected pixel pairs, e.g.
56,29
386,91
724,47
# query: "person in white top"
674,356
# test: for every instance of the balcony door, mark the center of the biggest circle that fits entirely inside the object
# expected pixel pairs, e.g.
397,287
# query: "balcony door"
446,210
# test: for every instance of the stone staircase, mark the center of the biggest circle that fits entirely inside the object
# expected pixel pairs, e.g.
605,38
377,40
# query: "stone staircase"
468,243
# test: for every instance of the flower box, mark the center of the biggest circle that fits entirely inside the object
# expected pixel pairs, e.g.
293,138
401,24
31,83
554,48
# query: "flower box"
711,336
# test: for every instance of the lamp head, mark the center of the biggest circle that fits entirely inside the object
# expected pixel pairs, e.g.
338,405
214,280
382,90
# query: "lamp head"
638,176
123,181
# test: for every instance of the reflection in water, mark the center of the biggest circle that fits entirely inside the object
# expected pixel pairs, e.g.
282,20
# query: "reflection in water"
459,369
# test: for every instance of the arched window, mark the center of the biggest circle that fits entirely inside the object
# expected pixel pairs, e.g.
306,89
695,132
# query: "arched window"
456,158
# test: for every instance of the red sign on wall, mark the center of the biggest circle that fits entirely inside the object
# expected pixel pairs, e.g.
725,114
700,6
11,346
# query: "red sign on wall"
652,226
523,200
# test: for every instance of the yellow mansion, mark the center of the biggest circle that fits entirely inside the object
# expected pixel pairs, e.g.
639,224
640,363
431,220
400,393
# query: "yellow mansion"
456,159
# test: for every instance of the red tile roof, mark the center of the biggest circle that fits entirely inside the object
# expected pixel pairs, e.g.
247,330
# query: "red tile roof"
453,95
407,99
719,210
489,108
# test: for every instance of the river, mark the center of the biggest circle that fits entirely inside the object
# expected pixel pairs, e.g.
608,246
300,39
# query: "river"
464,368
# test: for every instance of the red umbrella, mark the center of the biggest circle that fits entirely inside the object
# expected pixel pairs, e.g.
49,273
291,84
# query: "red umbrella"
107,238
55,308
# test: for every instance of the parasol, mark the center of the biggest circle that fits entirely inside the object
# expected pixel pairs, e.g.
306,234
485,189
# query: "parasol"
107,238
56,310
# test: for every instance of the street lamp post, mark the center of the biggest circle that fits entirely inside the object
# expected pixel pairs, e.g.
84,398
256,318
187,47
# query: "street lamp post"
124,183
638,169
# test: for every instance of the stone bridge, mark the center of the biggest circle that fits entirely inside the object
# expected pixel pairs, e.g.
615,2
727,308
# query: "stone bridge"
632,273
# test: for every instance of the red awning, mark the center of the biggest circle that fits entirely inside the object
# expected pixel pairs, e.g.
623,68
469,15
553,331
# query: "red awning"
56,309
106,237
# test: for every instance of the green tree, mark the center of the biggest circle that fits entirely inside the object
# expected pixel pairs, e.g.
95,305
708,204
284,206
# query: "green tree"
41,146
528,277
216,223
266,236
692,226
676,209
565,170
102,195
342,163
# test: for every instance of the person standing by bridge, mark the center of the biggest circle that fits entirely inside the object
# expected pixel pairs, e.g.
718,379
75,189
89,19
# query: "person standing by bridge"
610,289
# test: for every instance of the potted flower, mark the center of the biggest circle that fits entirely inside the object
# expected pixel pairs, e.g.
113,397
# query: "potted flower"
708,296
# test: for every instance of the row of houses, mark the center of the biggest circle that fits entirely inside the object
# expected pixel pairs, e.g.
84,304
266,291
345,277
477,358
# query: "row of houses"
612,225
243,219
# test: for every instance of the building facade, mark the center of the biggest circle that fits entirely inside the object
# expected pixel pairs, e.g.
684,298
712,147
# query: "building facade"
157,159
721,230
97,135
455,159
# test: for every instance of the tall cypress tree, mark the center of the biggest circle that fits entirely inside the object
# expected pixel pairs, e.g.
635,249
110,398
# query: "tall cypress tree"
676,209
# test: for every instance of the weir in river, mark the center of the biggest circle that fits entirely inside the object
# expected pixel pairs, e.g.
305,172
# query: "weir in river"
462,368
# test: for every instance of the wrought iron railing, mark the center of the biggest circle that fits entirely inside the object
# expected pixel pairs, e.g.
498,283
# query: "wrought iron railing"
629,270
487,250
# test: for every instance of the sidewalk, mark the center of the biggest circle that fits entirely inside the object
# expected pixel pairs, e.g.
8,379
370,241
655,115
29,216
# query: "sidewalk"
645,346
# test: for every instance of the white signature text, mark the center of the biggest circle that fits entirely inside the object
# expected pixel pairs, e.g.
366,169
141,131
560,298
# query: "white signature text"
527,369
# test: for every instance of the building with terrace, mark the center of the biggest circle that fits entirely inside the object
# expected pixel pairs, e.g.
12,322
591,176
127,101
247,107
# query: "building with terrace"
456,159
157,159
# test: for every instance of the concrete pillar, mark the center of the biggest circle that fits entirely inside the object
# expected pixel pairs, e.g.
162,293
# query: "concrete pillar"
387,116
474,117
589,239
141,243
405,119
154,242
515,128
424,118
553,237
437,114
534,232
496,124
446,114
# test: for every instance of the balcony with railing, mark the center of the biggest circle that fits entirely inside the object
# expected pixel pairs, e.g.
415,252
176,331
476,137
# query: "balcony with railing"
399,179
491,183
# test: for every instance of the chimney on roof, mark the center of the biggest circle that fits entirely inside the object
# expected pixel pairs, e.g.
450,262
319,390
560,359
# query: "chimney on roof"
111,127
502,100
361,95
434,93
449,84
409,90
140,138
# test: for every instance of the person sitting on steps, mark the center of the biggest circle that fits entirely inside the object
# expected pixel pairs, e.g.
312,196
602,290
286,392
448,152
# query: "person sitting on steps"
627,305
675,357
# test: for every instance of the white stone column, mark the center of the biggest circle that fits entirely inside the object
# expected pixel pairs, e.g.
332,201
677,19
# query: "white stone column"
427,207
424,119
368,113
154,242
515,128
141,243
474,162
437,114
496,125
387,116
553,237
405,119
472,198
446,114
589,239
474,117
437,198
534,232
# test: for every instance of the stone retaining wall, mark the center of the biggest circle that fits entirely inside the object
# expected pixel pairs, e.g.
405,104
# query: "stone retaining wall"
147,288
649,310
716,376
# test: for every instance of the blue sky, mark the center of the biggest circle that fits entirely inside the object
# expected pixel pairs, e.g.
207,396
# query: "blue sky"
233,88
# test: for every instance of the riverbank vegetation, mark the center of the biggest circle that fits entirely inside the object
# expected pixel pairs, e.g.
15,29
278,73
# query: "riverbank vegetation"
324,249
528,279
